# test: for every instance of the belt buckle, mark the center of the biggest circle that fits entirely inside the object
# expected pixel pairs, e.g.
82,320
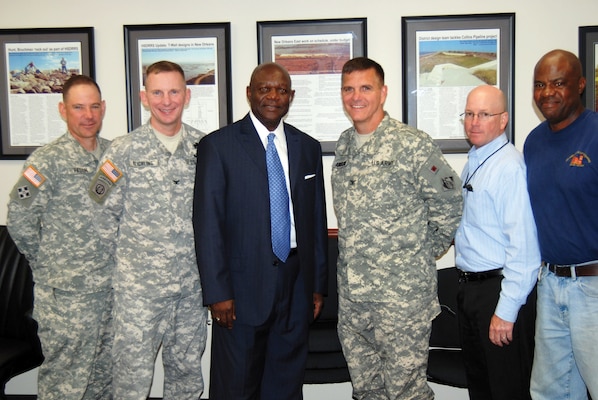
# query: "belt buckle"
567,271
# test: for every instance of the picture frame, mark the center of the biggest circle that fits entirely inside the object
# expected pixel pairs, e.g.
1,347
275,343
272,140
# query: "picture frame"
443,58
35,64
203,52
314,51
588,55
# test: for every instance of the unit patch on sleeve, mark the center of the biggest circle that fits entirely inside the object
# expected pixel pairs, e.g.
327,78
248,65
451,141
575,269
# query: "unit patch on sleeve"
23,192
103,182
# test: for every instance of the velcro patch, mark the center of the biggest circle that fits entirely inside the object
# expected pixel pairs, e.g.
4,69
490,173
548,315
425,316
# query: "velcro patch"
100,187
448,183
34,176
111,171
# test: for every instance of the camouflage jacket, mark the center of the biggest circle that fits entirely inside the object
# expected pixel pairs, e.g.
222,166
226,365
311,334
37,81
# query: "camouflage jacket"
398,204
49,218
144,199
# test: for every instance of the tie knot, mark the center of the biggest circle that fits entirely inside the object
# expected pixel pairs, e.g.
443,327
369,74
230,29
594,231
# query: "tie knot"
271,137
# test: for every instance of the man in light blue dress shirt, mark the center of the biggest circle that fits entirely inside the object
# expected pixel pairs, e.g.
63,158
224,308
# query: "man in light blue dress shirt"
498,255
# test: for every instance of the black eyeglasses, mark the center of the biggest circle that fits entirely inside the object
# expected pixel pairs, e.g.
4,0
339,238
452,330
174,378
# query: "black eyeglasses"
482,116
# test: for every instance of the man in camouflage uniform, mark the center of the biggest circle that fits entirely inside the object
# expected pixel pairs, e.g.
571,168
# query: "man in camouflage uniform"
49,218
398,204
144,191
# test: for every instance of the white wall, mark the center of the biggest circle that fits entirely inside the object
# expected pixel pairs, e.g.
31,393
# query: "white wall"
540,25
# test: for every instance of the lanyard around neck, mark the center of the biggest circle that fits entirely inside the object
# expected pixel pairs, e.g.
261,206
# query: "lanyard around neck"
467,185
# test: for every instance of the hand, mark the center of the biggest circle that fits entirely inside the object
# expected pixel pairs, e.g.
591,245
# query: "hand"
223,313
501,331
318,304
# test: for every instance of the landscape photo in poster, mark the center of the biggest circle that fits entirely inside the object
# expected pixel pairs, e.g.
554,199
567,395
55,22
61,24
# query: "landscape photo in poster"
36,74
315,64
449,65
36,68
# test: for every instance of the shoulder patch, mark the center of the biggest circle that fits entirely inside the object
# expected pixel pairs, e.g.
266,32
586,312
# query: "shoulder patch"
448,183
34,176
111,171
104,181
24,192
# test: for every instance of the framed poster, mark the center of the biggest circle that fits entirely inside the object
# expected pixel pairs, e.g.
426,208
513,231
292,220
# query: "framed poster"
444,57
314,52
588,54
202,51
35,64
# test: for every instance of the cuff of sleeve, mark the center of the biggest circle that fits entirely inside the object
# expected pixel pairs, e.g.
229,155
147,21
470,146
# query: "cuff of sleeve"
507,309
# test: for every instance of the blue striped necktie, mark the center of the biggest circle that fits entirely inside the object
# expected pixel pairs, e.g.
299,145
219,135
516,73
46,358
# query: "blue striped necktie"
280,217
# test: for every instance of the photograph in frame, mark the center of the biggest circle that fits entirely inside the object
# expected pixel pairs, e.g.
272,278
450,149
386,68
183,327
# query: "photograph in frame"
588,55
314,52
202,51
444,58
35,65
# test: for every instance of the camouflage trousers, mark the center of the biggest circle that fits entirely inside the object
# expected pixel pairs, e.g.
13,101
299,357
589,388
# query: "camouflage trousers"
386,354
75,331
142,325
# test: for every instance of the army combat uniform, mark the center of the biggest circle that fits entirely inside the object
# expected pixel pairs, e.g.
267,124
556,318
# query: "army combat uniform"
145,197
49,218
398,204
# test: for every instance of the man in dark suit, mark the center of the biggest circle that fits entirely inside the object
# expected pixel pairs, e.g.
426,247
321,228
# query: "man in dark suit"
261,303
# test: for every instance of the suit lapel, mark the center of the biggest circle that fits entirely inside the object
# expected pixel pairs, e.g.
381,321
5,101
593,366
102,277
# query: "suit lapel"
294,151
251,143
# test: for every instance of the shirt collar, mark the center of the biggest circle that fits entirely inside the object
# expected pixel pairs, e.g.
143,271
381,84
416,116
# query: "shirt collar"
263,132
486,150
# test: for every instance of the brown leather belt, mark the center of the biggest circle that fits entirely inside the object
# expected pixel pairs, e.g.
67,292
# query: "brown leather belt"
566,270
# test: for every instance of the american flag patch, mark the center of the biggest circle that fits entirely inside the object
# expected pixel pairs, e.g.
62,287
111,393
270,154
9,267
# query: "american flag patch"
111,171
33,176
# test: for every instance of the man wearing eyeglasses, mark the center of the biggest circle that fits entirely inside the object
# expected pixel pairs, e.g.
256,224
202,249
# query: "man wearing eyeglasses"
497,254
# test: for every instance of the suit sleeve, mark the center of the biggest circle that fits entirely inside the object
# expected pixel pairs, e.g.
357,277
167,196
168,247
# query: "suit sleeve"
209,221
321,232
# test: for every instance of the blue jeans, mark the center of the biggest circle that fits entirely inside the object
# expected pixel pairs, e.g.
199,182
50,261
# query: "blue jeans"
566,354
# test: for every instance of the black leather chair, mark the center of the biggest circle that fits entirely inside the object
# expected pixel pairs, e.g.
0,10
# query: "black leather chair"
20,349
445,360
325,360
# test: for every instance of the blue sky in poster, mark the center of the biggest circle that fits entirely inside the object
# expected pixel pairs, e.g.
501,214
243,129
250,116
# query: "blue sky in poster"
43,60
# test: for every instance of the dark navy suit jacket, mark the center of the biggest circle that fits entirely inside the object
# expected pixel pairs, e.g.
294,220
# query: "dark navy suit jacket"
231,218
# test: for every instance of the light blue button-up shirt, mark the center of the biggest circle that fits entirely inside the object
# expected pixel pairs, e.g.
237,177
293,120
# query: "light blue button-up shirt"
497,229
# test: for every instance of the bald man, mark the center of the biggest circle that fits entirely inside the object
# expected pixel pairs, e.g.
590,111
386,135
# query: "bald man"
563,188
497,255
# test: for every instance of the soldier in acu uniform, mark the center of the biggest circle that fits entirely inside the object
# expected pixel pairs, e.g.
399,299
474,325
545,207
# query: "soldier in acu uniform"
398,204
144,192
49,218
